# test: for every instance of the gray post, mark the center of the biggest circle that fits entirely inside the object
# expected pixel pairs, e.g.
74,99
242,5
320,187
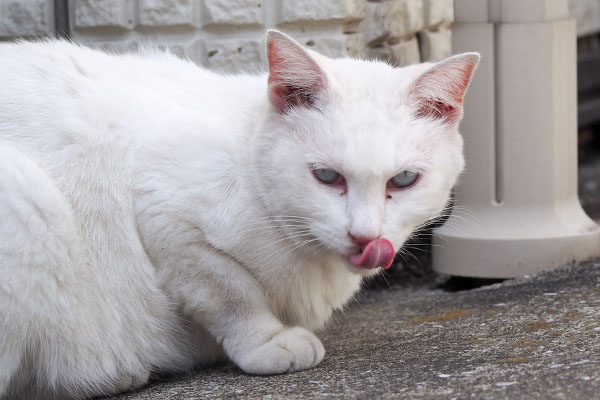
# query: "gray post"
517,210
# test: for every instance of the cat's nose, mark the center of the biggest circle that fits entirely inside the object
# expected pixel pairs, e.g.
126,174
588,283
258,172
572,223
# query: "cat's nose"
360,239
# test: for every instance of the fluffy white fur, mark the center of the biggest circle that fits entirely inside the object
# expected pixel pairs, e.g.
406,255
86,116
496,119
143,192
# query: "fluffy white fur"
156,216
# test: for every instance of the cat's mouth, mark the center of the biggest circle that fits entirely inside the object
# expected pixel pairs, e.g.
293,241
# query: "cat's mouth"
376,253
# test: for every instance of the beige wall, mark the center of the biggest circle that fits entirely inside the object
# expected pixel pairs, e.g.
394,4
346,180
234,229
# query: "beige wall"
587,13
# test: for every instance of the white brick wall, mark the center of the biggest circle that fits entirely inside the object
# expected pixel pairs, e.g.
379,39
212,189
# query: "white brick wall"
103,13
168,13
229,34
26,18
233,12
436,44
319,10
437,12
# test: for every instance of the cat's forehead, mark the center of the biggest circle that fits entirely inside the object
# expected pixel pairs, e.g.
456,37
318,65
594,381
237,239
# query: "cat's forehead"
366,129
368,103
377,79
368,143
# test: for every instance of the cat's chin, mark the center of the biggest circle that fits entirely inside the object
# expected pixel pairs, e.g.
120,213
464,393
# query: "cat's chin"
361,270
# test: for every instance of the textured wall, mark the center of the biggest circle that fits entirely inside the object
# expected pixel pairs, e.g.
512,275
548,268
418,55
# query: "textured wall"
26,18
587,13
228,34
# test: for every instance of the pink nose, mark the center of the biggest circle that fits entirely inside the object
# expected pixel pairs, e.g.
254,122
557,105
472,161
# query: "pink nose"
361,239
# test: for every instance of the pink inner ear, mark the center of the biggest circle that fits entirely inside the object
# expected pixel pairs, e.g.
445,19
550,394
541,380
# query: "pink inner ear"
439,92
285,97
464,71
295,79
434,109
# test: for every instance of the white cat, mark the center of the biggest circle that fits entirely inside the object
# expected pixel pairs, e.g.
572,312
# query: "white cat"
156,216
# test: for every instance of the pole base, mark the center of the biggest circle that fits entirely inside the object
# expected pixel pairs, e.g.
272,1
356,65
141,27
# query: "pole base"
511,244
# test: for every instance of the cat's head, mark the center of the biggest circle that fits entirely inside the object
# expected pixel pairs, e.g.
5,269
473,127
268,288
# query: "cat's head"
352,151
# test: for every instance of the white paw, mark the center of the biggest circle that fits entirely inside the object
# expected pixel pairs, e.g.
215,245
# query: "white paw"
130,382
293,349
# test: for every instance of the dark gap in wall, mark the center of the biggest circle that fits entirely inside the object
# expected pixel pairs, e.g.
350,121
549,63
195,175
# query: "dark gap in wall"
61,18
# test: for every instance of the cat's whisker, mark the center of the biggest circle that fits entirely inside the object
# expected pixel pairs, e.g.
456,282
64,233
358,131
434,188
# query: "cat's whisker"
413,256
282,238
303,243
422,249
440,237
292,247
383,276
459,221
274,223
287,216
420,235
263,229
412,244
401,255
462,211
295,235
284,218
461,215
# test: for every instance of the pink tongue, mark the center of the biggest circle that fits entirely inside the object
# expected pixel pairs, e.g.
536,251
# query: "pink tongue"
377,253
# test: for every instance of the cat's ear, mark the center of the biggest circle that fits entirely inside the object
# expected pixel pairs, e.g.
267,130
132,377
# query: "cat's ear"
438,93
295,78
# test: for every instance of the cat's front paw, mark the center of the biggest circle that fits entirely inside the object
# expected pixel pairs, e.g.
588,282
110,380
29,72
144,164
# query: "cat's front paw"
291,350
132,382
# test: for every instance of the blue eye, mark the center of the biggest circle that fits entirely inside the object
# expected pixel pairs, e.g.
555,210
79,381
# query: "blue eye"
404,179
327,175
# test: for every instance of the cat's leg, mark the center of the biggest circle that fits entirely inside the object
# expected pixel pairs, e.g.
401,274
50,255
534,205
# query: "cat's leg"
11,353
51,313
38,243
132,382
14,247
228,301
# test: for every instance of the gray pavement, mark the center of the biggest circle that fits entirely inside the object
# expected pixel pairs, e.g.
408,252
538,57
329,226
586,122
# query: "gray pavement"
530,338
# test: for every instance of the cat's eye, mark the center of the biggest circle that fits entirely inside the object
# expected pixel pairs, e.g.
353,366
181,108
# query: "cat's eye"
328,176
404,179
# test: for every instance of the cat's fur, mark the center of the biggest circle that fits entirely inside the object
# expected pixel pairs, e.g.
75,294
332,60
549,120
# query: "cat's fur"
158,216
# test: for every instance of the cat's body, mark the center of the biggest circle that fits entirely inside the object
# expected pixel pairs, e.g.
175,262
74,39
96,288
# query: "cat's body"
158,216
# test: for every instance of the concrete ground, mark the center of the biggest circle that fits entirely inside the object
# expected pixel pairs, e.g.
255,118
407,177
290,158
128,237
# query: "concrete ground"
536,337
